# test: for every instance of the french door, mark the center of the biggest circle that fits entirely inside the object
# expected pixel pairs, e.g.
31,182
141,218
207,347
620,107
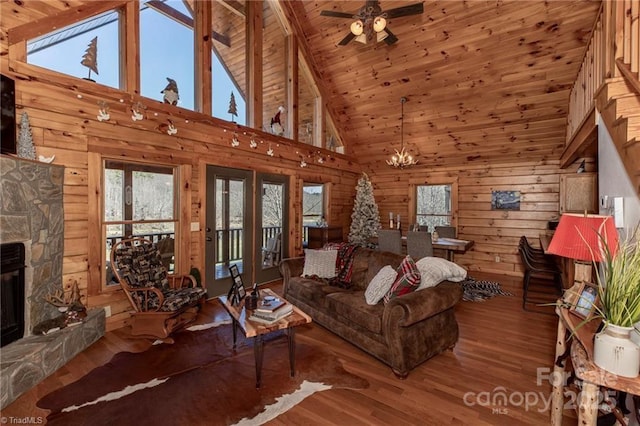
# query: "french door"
246,226
229,227
271,225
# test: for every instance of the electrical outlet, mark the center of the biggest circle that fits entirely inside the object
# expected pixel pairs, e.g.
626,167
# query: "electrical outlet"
107,311
497,259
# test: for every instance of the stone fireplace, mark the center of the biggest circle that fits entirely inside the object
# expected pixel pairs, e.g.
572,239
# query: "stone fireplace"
31,213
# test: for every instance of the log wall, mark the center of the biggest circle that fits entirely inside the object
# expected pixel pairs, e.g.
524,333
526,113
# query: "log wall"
63,112
495,232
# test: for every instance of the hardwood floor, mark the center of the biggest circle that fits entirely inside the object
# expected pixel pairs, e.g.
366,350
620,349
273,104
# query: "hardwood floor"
502,351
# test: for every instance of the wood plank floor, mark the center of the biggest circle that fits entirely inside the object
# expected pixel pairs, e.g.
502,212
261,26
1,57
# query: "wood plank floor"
502,350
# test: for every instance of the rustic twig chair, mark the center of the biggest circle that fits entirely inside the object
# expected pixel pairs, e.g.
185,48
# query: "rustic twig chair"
162,303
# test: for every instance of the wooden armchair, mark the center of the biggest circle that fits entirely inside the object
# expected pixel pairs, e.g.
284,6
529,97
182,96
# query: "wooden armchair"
162,303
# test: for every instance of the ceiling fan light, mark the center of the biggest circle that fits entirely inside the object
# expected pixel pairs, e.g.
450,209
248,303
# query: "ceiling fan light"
362,38
357,28
379,24
381,35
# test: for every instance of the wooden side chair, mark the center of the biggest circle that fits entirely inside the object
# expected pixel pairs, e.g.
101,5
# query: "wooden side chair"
390,240
162,303
419,245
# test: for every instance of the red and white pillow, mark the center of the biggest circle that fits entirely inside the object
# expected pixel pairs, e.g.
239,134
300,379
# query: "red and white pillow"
407,281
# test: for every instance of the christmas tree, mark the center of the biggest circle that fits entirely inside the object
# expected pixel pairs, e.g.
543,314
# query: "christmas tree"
233,109
90,57
365,219
25,148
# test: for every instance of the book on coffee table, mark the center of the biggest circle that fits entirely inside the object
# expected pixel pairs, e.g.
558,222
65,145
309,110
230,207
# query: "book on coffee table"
271,317
270,304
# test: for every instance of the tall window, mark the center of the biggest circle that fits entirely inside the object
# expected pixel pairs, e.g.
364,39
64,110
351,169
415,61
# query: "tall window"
81,49
166,50
228,72
273,69
312,206
139,201
306,105
433,205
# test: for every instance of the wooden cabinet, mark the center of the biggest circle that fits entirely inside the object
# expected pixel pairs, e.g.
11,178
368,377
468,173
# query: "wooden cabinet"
579,192
318,237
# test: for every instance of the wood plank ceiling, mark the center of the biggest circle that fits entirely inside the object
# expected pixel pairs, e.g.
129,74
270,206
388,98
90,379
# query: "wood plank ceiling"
486,81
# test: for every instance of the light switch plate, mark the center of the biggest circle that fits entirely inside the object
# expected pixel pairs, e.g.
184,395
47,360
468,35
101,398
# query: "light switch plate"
618,211
195,226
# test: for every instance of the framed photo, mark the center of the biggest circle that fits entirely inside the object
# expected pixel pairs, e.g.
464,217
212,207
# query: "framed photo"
585,300
505,200
237,291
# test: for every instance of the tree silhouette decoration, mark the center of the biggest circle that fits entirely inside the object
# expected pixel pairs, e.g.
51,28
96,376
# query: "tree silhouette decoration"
233,108
90,57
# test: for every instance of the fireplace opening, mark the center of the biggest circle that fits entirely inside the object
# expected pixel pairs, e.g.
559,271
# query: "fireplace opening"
11,292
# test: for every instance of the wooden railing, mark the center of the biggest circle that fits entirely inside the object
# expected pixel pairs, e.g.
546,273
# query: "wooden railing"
615,39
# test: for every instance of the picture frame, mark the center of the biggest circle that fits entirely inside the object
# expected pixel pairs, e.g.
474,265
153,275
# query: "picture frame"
237,292
585,300
505,200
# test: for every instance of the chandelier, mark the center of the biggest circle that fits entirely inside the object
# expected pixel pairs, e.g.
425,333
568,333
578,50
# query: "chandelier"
402,158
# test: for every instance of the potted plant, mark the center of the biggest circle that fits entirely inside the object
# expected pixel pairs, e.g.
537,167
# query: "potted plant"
619,291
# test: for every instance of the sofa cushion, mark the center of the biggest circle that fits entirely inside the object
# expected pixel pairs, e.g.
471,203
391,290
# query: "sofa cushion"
434,270
351,307
380,285
313,292
320,263
407,281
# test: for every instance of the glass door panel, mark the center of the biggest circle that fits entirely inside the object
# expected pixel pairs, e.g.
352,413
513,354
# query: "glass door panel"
271,206
228,233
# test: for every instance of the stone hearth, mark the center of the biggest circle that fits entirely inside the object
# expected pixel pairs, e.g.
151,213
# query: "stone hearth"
31,212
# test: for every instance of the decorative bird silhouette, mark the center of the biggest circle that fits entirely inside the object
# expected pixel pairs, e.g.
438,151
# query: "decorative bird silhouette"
170,92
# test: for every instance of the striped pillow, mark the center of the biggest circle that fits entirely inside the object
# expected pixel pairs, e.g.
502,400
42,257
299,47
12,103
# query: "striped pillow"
407,281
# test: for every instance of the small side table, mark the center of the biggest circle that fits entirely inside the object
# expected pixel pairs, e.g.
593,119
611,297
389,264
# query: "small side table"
593,377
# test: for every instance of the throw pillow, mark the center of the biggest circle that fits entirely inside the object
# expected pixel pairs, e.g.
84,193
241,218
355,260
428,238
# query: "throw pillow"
407,280
320,263
434,270
380,285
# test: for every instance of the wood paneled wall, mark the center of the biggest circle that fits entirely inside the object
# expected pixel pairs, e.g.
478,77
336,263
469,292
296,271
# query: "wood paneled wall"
495,232
63,115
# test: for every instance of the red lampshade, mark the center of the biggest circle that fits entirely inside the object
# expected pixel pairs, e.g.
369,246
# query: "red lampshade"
581,237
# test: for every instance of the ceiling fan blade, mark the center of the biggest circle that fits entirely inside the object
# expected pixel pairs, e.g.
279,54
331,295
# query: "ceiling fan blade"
412,9
336,14
347,39
391,37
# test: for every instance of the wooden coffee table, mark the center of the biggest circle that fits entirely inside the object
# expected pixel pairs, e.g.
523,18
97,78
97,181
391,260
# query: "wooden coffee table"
257,331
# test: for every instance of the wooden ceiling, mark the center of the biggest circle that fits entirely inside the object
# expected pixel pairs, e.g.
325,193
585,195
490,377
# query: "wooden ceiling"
486,81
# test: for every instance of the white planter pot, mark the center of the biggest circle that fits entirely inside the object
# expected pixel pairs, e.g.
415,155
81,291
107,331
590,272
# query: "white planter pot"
635,334
615,352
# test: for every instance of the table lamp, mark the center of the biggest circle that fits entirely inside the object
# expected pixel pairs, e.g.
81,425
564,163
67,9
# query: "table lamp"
583,237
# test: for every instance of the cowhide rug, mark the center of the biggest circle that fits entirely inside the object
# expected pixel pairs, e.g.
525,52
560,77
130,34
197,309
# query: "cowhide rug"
198,380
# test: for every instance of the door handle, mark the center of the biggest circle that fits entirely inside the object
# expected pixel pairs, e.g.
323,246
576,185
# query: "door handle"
208,239
207,229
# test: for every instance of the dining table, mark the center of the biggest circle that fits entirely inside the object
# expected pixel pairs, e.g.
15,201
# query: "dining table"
448,245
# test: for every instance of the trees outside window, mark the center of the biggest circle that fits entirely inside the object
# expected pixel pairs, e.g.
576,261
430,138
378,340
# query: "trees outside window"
433,205
312,206
139,201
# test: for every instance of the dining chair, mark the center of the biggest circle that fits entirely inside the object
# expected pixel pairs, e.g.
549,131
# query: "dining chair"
446,231
544,274
419,245
423,228
390,240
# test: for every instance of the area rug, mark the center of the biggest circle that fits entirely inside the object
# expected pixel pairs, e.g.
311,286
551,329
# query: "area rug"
198,380
479,291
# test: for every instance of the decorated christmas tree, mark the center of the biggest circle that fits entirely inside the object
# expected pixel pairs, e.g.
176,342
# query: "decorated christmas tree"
233,109
90,57
25,148
365,219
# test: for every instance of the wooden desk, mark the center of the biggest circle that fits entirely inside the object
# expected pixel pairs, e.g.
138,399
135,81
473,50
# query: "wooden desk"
593,377
566,265
319,236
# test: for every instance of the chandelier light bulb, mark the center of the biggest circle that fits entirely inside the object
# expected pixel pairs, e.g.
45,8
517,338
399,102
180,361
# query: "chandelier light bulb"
379,24
357,28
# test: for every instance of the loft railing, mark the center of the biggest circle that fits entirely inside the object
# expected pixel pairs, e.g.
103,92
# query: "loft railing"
615,39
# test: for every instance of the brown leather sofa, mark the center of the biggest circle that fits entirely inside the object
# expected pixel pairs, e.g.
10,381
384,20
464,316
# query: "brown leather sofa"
404,333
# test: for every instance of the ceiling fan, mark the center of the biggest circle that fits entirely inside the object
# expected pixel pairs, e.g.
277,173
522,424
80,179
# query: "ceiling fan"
371,21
